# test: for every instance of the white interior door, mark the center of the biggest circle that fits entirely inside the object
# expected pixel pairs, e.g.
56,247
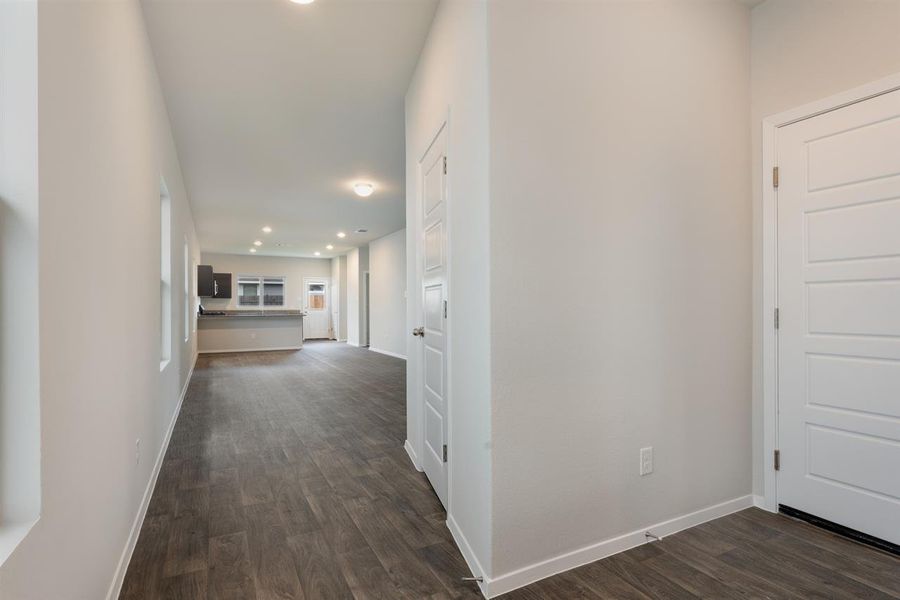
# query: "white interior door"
316,301
433,234
839,311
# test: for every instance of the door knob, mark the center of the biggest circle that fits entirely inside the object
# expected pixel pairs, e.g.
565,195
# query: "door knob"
419,331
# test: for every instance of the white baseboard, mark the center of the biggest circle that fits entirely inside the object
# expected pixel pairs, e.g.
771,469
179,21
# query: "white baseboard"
387,352
412,455
116,587
233,350
564,562
469,555
354,344
759,501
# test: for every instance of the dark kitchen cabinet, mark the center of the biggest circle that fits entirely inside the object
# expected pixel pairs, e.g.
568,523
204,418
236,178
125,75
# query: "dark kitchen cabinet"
221,285
205,281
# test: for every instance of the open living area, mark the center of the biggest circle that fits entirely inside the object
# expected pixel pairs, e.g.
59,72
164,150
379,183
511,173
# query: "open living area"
277,279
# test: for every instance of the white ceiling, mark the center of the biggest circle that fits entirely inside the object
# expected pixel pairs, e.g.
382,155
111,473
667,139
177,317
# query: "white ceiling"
278,108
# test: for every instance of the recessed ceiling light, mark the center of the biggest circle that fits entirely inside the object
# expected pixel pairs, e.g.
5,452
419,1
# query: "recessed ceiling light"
317,253
257,243
329,247
363,189
253,250
267,229
341,234
303,1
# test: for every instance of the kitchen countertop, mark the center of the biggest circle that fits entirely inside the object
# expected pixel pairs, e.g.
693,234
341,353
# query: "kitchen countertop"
243,314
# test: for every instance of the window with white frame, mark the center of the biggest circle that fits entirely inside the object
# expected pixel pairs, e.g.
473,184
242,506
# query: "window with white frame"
315,296
258,291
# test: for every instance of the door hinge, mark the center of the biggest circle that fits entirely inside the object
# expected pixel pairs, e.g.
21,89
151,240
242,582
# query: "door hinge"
775,177
777,318
777,460
445,453
445,309
445,165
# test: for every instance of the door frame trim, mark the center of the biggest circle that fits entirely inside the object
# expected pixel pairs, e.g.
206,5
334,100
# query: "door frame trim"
766,303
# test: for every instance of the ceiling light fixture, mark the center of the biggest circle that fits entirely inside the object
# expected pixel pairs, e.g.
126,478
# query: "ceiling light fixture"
253,250
267,229
257,243
363,190
329,247
317,253
341,234
303,1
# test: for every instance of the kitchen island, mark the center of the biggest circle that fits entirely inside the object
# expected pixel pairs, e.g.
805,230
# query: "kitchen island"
250,331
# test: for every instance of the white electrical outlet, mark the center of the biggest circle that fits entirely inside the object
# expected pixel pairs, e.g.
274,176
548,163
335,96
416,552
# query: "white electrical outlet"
646,460
137,451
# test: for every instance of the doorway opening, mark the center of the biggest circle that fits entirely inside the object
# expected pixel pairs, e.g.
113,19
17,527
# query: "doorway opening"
364,341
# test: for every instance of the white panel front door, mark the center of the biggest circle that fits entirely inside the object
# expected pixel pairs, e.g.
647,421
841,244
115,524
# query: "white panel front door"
317,323
433,234
839,308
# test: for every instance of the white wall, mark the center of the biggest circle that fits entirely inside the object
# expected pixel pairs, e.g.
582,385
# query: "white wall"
293,269
387,297
353,297
19,349
357,265
104,141
625,150
339,297
451,78
802,51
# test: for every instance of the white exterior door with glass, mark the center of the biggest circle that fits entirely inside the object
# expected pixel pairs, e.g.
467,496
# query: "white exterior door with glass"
317,323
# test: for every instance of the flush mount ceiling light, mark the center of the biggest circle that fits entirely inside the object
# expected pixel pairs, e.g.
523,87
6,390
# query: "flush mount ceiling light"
317,253
257,243
303,1
267,229
341,234
329,247
363,190
253,250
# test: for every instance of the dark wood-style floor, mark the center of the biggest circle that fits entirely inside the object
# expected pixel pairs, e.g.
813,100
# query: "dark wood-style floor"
286,478
750,554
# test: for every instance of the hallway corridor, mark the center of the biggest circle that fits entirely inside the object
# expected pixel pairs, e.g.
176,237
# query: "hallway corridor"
286,478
